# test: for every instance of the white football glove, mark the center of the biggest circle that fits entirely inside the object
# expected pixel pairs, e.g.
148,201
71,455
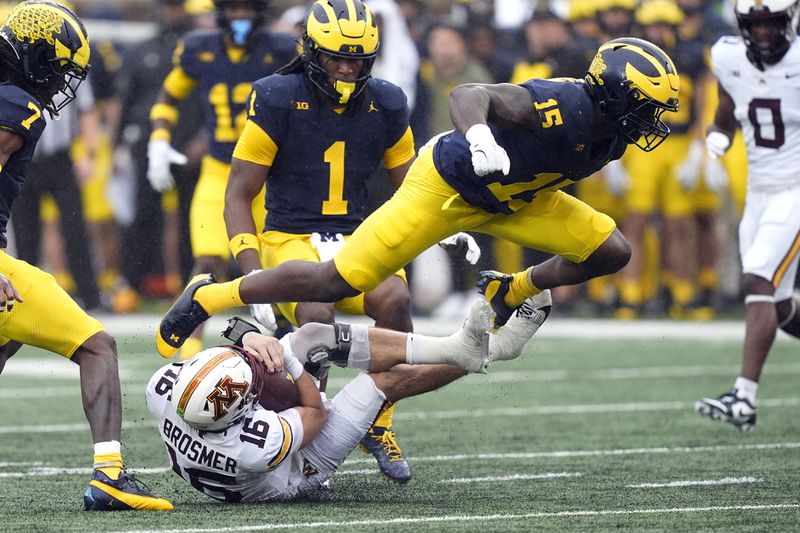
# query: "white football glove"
462,241
263,314
717,143
689,170
616,178
160,155
487,155
716,175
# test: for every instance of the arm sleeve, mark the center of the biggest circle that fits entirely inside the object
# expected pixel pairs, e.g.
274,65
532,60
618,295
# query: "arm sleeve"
400,152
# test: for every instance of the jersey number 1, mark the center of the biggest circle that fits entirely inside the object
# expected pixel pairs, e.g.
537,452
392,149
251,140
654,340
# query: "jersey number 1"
335,204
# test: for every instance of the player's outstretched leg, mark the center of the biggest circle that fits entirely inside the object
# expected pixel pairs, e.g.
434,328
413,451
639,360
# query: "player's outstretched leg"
730,407
508,342
182,318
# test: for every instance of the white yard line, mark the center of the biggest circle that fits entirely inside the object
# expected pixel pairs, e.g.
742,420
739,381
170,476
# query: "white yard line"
600,408
475,518
55,470
513,477
697,483
555,328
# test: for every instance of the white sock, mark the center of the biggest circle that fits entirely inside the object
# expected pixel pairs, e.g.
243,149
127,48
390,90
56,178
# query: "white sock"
109,446
424,350
746,388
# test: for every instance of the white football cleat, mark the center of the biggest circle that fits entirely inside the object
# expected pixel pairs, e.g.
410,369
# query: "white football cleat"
508,341
473,338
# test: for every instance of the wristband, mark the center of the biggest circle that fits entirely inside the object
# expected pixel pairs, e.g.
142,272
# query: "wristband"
164,111
161,134
244,241
292,366
237,329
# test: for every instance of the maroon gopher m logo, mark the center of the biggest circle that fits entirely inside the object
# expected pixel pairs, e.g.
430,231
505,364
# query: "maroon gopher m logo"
227,392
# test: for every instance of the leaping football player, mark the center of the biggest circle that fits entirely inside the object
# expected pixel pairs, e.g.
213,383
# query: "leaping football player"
499,173
44,51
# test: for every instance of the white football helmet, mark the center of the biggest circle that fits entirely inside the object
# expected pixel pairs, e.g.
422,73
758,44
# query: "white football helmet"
777,21
216,387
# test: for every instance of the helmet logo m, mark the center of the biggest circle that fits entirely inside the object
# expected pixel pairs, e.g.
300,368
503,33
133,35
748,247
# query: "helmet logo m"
226,393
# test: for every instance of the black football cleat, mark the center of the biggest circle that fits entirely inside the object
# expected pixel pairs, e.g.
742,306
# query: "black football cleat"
125,493
494,286
182,318
729,407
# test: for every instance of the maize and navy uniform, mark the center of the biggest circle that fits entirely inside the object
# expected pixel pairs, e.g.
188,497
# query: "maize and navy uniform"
259,458
320,161
654,184
441,194
224,76
47,318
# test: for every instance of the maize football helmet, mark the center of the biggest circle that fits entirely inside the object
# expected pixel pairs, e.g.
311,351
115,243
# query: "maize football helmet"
768,28
216,387
342,29
49,51
634,82
241,30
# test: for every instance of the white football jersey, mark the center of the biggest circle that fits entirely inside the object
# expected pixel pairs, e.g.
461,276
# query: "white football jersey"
255,459
767,105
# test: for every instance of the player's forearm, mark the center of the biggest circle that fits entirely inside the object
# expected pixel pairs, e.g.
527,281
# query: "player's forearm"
163,116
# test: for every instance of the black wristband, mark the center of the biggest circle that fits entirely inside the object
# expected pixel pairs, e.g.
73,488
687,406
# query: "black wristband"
237,329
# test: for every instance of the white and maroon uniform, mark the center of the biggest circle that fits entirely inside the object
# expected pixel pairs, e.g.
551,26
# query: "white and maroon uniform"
767,105
259,458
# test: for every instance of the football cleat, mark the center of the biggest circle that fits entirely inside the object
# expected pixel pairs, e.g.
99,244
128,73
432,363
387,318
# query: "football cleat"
125,493
380,442
473,353
508,342
182,318
494,286
730,407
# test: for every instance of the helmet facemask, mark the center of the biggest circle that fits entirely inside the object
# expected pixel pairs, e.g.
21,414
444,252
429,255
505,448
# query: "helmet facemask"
342,91
51,51
642,125
768,35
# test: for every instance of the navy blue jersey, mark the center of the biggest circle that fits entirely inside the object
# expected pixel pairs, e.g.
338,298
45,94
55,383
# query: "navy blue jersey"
317,180
20,114
543,158
225,85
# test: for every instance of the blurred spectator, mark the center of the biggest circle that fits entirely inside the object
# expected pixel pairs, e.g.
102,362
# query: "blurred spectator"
448,65
550,53
582,19
615,18
702,21
482,41
398,58
144,67
665,181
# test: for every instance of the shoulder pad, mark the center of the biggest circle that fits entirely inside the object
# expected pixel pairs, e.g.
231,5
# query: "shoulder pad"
390,96
278,87
17,112
199,40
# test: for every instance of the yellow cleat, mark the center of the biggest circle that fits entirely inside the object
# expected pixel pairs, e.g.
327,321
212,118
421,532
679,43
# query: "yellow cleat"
125,493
